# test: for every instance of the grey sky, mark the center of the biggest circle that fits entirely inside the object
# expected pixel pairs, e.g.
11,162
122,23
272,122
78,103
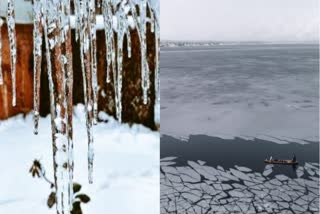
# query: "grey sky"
258,20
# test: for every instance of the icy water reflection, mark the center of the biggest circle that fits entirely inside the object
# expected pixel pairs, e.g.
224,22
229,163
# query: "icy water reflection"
211,180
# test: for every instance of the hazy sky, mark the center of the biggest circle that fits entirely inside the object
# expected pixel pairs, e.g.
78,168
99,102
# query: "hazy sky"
266,20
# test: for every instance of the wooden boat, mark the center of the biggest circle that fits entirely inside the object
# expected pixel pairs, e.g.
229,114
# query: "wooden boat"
281,162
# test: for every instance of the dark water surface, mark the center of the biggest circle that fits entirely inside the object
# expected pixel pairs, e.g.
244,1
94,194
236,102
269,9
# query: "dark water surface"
228,153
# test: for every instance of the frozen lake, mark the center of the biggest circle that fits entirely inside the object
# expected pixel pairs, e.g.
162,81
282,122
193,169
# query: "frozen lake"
225,109
265,91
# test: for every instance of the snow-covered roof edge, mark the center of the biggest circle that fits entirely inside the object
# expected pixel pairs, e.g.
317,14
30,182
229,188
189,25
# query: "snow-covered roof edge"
23,13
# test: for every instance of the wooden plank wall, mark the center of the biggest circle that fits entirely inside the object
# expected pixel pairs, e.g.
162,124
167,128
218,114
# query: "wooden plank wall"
134,111
24,77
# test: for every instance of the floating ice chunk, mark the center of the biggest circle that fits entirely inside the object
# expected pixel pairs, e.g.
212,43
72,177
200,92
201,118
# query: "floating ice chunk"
201,162
236,193
248,183
300,171
220,168
311,183
310,165
188,174
226,187
239,186
275,182
268,170
167,163
190,196
243,169
310,171
170,170
168,158
282,177
240,175
298,208
284,204
228,176
260,194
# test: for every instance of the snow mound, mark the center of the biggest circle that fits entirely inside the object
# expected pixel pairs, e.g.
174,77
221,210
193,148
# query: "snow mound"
126,168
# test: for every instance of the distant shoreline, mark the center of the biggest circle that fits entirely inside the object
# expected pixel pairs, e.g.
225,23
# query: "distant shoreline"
177,43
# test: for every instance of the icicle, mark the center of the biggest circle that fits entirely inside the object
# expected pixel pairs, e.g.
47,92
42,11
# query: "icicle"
141,28
48,62
1,75
87,78
108,29
111,51
152,21
77,16
68,84
156,26
94,83
93,40
121,29
144,62
13,48
99,3
129,42
37,56
57,30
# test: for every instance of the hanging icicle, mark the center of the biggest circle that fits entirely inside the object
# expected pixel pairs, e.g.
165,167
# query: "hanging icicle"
68,89
13,48
121,29
129,43
57,32
37,58
140,24
156,28
144,60
93,49
108,30
86,59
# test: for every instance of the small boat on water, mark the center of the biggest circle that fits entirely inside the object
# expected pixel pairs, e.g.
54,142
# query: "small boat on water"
293,161
282,162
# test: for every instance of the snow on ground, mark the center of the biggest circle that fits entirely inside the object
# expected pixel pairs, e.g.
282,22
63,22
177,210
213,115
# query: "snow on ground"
126,166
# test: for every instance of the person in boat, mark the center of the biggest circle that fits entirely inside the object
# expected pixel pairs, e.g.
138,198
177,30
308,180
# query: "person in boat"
270,159
294,159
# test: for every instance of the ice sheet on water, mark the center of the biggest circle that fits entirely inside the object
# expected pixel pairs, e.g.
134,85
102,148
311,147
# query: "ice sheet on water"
201,162
282,177
268,170
278,195
167,163
243,169
168,158
300,171
240,175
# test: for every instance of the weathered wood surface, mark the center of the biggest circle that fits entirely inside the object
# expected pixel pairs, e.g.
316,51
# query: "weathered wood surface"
24,76
134,111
